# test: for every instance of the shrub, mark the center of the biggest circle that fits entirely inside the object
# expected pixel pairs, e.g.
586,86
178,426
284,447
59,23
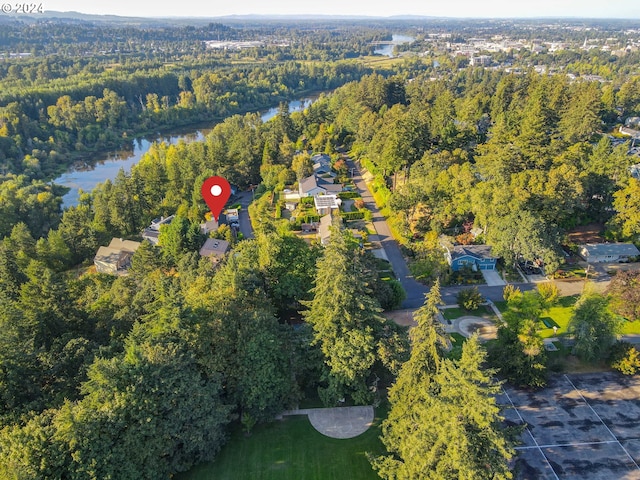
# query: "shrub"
469,298
352,215
510,291
625,358
549,293
347,195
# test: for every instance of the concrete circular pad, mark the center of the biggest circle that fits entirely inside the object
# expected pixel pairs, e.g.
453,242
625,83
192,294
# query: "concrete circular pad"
341,422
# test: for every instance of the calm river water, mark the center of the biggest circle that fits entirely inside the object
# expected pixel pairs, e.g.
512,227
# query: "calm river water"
97,168
397,40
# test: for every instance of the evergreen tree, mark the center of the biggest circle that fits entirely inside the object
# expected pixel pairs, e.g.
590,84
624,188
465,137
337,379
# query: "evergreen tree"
345,319
446,424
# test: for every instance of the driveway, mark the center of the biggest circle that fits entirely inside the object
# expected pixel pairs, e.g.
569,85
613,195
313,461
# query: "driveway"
244,199
493,278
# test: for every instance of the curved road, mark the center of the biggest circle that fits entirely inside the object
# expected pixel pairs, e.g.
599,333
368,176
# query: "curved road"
415,290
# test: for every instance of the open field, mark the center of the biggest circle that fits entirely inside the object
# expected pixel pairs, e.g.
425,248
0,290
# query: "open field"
291,449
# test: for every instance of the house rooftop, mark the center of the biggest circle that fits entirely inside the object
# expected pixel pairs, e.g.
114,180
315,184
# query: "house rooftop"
476,251
214,247
322,158
332,187
108,255
308,183
124,245
156,223
604,249
326,201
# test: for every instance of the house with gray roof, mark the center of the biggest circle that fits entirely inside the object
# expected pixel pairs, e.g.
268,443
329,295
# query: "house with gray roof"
608,252
313,186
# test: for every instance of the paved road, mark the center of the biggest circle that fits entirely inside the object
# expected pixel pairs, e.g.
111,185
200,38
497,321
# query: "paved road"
415,290
244,199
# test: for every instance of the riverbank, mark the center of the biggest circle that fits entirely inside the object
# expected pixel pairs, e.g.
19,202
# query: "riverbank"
93,167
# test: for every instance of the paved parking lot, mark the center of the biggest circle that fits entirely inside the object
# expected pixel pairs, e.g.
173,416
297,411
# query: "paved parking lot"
582,426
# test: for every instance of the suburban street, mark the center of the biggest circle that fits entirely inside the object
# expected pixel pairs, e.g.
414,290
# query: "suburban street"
415,290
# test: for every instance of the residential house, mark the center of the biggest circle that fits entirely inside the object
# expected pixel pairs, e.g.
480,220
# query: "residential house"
313,186
152,232
630,132
608,252
321,159
213,225
327,204
478,257
323,170
116,258
215,249
310,227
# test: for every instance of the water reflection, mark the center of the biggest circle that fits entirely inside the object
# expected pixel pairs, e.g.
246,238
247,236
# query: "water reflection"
86,174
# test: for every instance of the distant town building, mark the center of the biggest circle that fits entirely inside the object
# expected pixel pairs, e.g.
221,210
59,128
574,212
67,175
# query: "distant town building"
481,60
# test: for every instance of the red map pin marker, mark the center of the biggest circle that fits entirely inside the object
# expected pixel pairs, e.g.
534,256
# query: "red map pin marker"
216,191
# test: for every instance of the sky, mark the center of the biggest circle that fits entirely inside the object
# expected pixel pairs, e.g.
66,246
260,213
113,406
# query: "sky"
445,8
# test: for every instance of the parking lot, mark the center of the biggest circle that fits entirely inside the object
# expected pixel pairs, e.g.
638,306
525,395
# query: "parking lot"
582,426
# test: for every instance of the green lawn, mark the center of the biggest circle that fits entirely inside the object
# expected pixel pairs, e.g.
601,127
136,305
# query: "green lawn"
631,328
558,315
291,449
453,313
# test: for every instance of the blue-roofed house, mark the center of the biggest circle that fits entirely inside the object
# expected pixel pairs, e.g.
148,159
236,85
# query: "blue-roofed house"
477,257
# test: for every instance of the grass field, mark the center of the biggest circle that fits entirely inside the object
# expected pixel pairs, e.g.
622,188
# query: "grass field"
291,449
560,315
453,313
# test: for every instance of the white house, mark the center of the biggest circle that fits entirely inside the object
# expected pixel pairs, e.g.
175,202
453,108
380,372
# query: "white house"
326,204
608,252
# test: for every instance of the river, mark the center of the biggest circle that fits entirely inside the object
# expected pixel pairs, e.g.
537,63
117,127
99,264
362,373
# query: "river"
396,40
87,173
